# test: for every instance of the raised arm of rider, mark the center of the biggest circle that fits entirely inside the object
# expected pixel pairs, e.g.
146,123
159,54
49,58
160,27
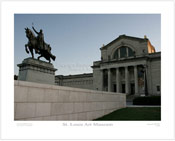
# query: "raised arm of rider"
35,30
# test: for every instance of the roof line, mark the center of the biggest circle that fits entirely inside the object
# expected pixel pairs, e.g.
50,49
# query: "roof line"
121,37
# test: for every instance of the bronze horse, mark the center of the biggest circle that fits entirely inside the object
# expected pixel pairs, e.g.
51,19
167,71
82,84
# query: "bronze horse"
33,45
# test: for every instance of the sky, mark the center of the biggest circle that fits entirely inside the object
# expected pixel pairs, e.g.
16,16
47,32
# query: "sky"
76,39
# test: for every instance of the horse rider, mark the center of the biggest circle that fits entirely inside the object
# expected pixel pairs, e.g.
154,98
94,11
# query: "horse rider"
40,38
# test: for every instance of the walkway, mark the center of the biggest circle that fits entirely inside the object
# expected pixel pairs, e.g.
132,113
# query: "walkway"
130,104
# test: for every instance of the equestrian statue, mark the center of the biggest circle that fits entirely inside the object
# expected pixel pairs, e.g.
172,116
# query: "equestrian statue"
38,44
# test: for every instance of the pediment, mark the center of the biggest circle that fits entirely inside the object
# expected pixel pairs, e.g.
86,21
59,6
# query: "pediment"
122,40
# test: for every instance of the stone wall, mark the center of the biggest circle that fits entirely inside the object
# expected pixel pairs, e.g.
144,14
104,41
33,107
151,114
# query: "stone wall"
97,79
34,101
154,76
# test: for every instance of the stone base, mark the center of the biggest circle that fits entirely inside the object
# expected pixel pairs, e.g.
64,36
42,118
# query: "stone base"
34,70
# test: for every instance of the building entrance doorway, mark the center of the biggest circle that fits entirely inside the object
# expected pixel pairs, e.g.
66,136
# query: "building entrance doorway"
132,88
123,88
114,88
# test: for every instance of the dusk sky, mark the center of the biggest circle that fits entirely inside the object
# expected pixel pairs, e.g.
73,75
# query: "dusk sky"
76,39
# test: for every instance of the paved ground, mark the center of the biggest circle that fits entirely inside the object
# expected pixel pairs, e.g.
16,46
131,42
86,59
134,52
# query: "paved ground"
130,104
143,106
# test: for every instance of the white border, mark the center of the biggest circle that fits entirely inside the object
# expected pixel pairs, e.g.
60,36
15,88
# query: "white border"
54,129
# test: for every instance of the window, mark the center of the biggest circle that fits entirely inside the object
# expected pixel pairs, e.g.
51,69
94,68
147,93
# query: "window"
108,57
123,52
158,88
116,54
130,52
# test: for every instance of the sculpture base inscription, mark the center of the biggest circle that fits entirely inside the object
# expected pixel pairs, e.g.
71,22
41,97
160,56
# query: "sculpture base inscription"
34,70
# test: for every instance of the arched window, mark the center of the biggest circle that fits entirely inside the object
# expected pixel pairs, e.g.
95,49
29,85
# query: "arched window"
130,52
123,52
116,54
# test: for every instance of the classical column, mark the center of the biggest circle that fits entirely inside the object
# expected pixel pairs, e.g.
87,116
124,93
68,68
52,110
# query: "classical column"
136,80
126,80
117,80
145,80
102,80
109,80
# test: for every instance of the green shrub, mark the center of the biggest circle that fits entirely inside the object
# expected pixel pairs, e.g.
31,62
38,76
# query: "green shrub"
147,100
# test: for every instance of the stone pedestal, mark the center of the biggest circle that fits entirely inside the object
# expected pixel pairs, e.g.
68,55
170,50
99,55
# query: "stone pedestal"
34,70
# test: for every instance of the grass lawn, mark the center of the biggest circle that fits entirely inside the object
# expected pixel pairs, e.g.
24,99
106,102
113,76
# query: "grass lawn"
133,114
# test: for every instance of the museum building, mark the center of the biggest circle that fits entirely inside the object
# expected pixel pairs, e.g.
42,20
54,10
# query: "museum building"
128,65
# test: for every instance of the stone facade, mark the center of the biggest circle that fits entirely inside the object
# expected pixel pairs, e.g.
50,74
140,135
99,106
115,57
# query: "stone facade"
84,81
128,65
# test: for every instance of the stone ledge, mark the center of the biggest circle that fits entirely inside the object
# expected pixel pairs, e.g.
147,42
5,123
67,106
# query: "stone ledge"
56,87
34,70
36,65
